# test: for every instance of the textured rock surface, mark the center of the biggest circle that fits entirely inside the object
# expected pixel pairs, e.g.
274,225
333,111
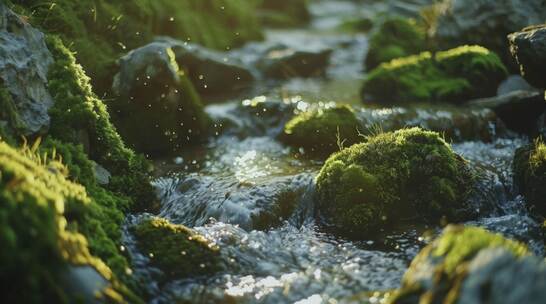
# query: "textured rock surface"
529,49
285,62
24,63
486,22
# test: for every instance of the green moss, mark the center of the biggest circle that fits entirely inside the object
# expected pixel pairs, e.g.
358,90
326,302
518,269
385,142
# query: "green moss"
176,249
357,25
396,37
323,130
530,174
38,232
100,31
78,116
8,114
390,178
456,76
446,259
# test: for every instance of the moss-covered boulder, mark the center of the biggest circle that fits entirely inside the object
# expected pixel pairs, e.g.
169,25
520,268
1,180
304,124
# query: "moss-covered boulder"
284,13
464,262
158,110
391,178
529,168
40,219
101,31
323,130
455,76
395,38
177,250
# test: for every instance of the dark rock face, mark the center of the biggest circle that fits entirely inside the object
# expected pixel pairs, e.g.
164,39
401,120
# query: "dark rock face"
486,22
283,62
519,110
158,109
529,49
24,64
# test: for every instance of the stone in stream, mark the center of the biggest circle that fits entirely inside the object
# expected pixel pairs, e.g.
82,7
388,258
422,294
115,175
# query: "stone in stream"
528,47
484,22
529,169
471,265
519,110
212,72
283,62
158,109
453,76
24,65
407,175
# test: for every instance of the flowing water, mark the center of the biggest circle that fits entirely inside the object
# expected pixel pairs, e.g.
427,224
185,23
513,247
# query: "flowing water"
232,189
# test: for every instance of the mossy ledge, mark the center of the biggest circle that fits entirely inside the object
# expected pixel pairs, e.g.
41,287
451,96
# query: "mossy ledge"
41,218
453,76
446,260
177,250
323,130
529,168
391,178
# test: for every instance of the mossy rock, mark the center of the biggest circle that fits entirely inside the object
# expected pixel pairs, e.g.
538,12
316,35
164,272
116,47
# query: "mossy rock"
80,117
323,130
454,76
38,231
439,270
357,25
529,168
409,174
395,38
176,249
101,31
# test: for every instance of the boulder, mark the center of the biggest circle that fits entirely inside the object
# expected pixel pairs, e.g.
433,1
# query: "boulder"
485,22
514,83
529,49
211,72
519,110
283,62
158,110
529,167
24,66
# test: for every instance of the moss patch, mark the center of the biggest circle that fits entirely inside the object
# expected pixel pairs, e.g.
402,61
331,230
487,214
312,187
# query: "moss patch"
395,38
446,260
455,76
284,13
100,31
176,249
530,174
391,178
323,130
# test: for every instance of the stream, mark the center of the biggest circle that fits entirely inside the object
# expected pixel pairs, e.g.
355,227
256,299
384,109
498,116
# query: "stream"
226,189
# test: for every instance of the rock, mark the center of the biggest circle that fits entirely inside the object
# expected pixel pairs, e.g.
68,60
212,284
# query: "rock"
485,22
84,282
514,83
454,76
101,174
409,173
284,62
323,130
519,110
158,110
457,259
529,49
24,66
211,72
529,167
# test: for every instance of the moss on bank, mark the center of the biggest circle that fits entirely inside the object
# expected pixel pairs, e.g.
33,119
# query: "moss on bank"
395,38
100,31
529,168
323,130
455,76
437,273
40,232
176,249
391,178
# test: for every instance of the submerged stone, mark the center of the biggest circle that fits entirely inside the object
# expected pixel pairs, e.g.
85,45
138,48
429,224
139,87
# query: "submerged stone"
454,76
393,177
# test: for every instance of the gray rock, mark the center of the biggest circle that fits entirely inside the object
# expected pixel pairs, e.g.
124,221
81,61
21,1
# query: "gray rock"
210,71
101,174
24,64
283,62
84,283
519,110
514,83
486,22
496,276
529,49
